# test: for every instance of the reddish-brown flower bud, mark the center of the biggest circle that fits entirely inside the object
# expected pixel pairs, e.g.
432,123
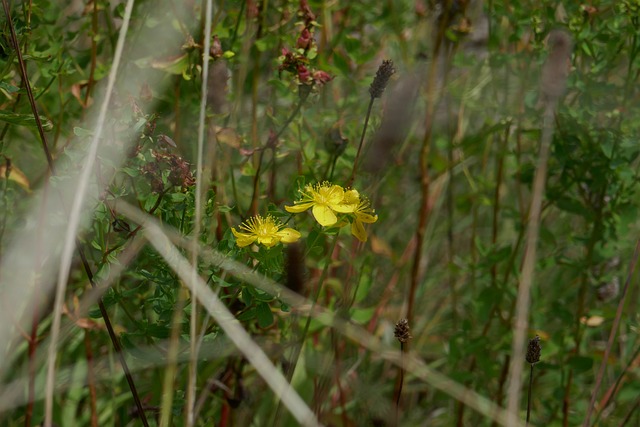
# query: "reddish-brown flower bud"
216,48
306,12
321,77
303,74
304,41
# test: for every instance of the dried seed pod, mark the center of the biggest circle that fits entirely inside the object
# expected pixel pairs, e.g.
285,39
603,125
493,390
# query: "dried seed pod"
533,350
402,332
384,73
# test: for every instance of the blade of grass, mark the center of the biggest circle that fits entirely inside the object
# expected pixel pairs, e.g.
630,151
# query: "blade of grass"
74,223
412,364
236,333
193,330
612,335
526,279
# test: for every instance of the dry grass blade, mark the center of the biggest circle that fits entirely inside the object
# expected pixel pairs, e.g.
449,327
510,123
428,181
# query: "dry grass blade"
412,364
554,75
75,214
193,364
612,335
236,333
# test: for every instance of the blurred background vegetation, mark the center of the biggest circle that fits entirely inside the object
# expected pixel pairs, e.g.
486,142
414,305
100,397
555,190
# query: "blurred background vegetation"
449,158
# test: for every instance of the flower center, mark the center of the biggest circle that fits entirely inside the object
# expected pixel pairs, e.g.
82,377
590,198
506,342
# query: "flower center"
266,227
323,196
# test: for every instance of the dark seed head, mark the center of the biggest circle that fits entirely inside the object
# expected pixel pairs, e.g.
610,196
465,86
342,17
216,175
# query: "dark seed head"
533,351
384,73
401,331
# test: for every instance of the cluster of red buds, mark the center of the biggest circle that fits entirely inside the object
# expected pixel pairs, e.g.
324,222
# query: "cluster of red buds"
179,172
296,62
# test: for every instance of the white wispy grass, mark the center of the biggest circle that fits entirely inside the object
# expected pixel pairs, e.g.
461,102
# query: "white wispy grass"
39,254
229,324
413,365
75,215
193,362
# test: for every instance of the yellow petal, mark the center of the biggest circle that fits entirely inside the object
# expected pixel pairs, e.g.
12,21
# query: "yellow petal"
324,215
335,194
344,208
289,235
300,207
351,197
246,240
268,241
369,219
357,229
243,239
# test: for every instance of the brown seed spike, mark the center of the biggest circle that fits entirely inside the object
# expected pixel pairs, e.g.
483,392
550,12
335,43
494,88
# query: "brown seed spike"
384,73
533,350
402,332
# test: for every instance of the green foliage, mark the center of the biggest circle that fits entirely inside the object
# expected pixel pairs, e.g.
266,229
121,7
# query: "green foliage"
449,162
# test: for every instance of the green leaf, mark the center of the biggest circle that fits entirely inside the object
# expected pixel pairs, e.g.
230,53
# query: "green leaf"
362,315
25,120
264,315
224,208
261,45
9,87
247,315
159,331
581,363
82,133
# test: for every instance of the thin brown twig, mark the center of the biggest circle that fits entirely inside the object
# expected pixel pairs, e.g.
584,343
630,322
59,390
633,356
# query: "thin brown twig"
425,180
271,143
398,392
94,52
364,131
25,79
526,281
51,168
529,394
615,387
612,334
91,379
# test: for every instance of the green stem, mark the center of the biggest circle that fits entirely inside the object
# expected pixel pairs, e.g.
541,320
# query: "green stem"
364,131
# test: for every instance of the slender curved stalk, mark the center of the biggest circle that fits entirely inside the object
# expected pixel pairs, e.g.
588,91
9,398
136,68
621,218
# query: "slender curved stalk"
412,364
273,139
199,195
295,357
526,279
529,393
74,223
364,131
232,328
25,79
612,335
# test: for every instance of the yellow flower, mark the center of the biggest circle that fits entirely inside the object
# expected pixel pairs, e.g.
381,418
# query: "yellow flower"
325,199
363,214
264,230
